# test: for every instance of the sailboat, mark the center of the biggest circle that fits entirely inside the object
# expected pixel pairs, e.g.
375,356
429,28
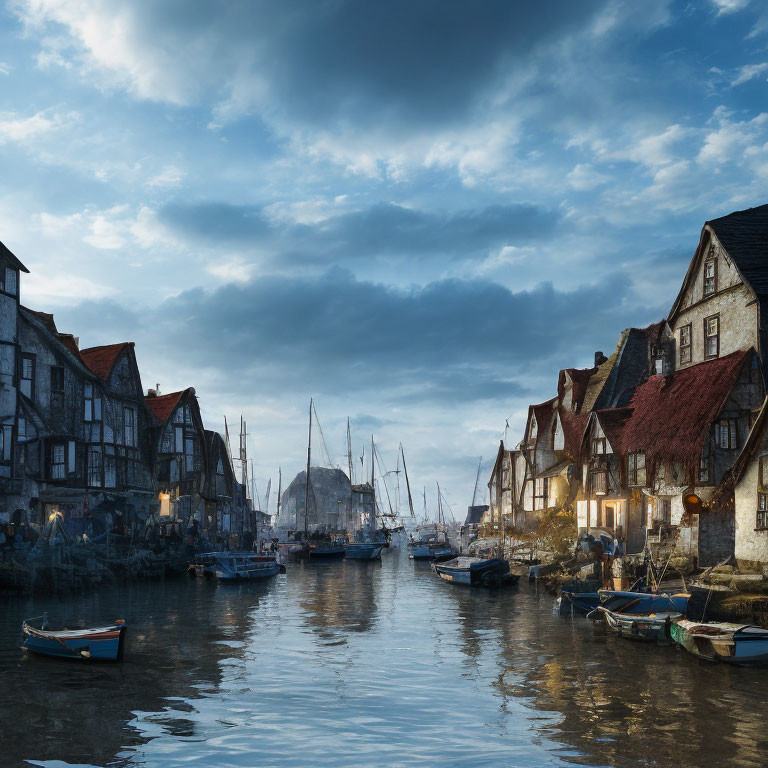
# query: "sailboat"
369,547
319,548
434,543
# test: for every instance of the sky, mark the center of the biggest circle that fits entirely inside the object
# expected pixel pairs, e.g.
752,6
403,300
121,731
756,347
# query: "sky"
416,212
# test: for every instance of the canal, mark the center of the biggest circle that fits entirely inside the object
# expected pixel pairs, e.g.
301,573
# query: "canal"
365,664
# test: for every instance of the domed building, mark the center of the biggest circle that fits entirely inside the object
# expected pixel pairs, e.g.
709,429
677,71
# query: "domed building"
330,494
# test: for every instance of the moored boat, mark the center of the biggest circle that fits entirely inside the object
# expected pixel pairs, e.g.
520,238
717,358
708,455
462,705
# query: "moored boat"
95,643
235,566
363,550
475,571
654,627
643,603
722,641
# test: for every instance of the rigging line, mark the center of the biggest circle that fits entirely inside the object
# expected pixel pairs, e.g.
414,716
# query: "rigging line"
322,438
379,463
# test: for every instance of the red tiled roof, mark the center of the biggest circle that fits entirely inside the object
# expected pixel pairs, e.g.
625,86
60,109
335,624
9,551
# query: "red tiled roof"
101,360
573,425
543,413
672,415
68,341
46,319
162,406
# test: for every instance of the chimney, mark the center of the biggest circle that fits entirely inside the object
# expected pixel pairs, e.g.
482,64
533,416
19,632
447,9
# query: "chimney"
151,393
600,358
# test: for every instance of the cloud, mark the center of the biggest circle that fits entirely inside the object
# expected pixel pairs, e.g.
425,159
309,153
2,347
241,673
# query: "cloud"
749,72
729,6
22,130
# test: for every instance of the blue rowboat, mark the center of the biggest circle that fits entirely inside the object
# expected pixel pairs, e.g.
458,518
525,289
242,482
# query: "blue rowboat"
643,603
363,551
654,627
721,641
245,566
98,643
433,551
580,602
474,571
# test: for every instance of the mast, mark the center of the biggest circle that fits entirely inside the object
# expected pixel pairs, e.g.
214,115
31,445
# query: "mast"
269,490
439,506
373,486
279,491
349,452
309,458
477,480
408,485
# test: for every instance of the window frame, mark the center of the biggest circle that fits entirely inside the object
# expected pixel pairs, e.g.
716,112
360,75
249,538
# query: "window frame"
634,469
710,261
54,473
731,427
686,358
57,372
599,442
715,336
27,357
543,497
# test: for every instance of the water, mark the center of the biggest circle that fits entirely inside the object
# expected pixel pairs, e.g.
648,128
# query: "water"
366,664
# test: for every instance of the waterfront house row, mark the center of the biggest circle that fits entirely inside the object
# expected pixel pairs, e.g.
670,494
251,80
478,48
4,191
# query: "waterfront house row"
80,439
670,415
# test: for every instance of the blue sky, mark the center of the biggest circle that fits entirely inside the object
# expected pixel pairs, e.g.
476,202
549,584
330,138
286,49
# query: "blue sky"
417,212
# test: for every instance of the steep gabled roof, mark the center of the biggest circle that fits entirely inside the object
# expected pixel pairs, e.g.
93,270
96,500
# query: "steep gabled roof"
45,318
101,360
614,422
580,379
573,425
744,235
672,415
8,255
751,447
162,406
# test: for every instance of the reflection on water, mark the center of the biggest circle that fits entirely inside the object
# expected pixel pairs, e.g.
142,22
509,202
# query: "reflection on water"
375,664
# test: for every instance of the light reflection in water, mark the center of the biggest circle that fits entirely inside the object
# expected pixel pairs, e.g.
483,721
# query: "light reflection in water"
375,664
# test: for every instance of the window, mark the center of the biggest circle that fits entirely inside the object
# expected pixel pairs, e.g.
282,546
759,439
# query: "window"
609,516
636,468
27,383
728,434
94,466
710,277
685,344
600,483
92,404
71,457
129,422
658,366
57,379
711,336
665,510
6,443
58,462
110,467
10,281
540,493
598,446
762,511
705,470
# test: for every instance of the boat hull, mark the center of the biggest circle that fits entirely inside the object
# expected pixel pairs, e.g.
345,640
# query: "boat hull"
326,553
580,602
426,552
357,551
471,571
642,603
102,644
652,628
732,643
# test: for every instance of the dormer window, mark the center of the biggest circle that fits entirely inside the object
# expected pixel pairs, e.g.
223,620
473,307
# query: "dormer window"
598,446
710,277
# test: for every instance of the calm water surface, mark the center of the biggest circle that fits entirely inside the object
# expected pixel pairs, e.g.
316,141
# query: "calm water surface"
366,664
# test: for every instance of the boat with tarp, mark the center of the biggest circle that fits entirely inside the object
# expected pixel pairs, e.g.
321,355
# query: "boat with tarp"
653,627
235,566
104,643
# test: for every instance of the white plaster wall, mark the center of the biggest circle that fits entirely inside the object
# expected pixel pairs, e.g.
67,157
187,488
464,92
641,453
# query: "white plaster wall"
750,544
738,316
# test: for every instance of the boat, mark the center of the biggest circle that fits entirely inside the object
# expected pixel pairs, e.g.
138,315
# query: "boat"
434,543
654,627
579,597
721,641
96,643
475,571
643,603
360,550
235,566
325,550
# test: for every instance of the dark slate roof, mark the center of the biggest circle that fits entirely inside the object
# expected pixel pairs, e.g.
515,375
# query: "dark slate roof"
744,234
8,255
475,514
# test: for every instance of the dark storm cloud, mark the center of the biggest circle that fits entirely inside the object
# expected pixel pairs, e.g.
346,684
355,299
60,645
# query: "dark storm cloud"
450,341
381,229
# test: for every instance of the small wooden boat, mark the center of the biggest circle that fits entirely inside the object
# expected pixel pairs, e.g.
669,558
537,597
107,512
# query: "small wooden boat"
654,627
97,643
432,551
475,571
643,603
364,550
235,566
576,597
721,641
